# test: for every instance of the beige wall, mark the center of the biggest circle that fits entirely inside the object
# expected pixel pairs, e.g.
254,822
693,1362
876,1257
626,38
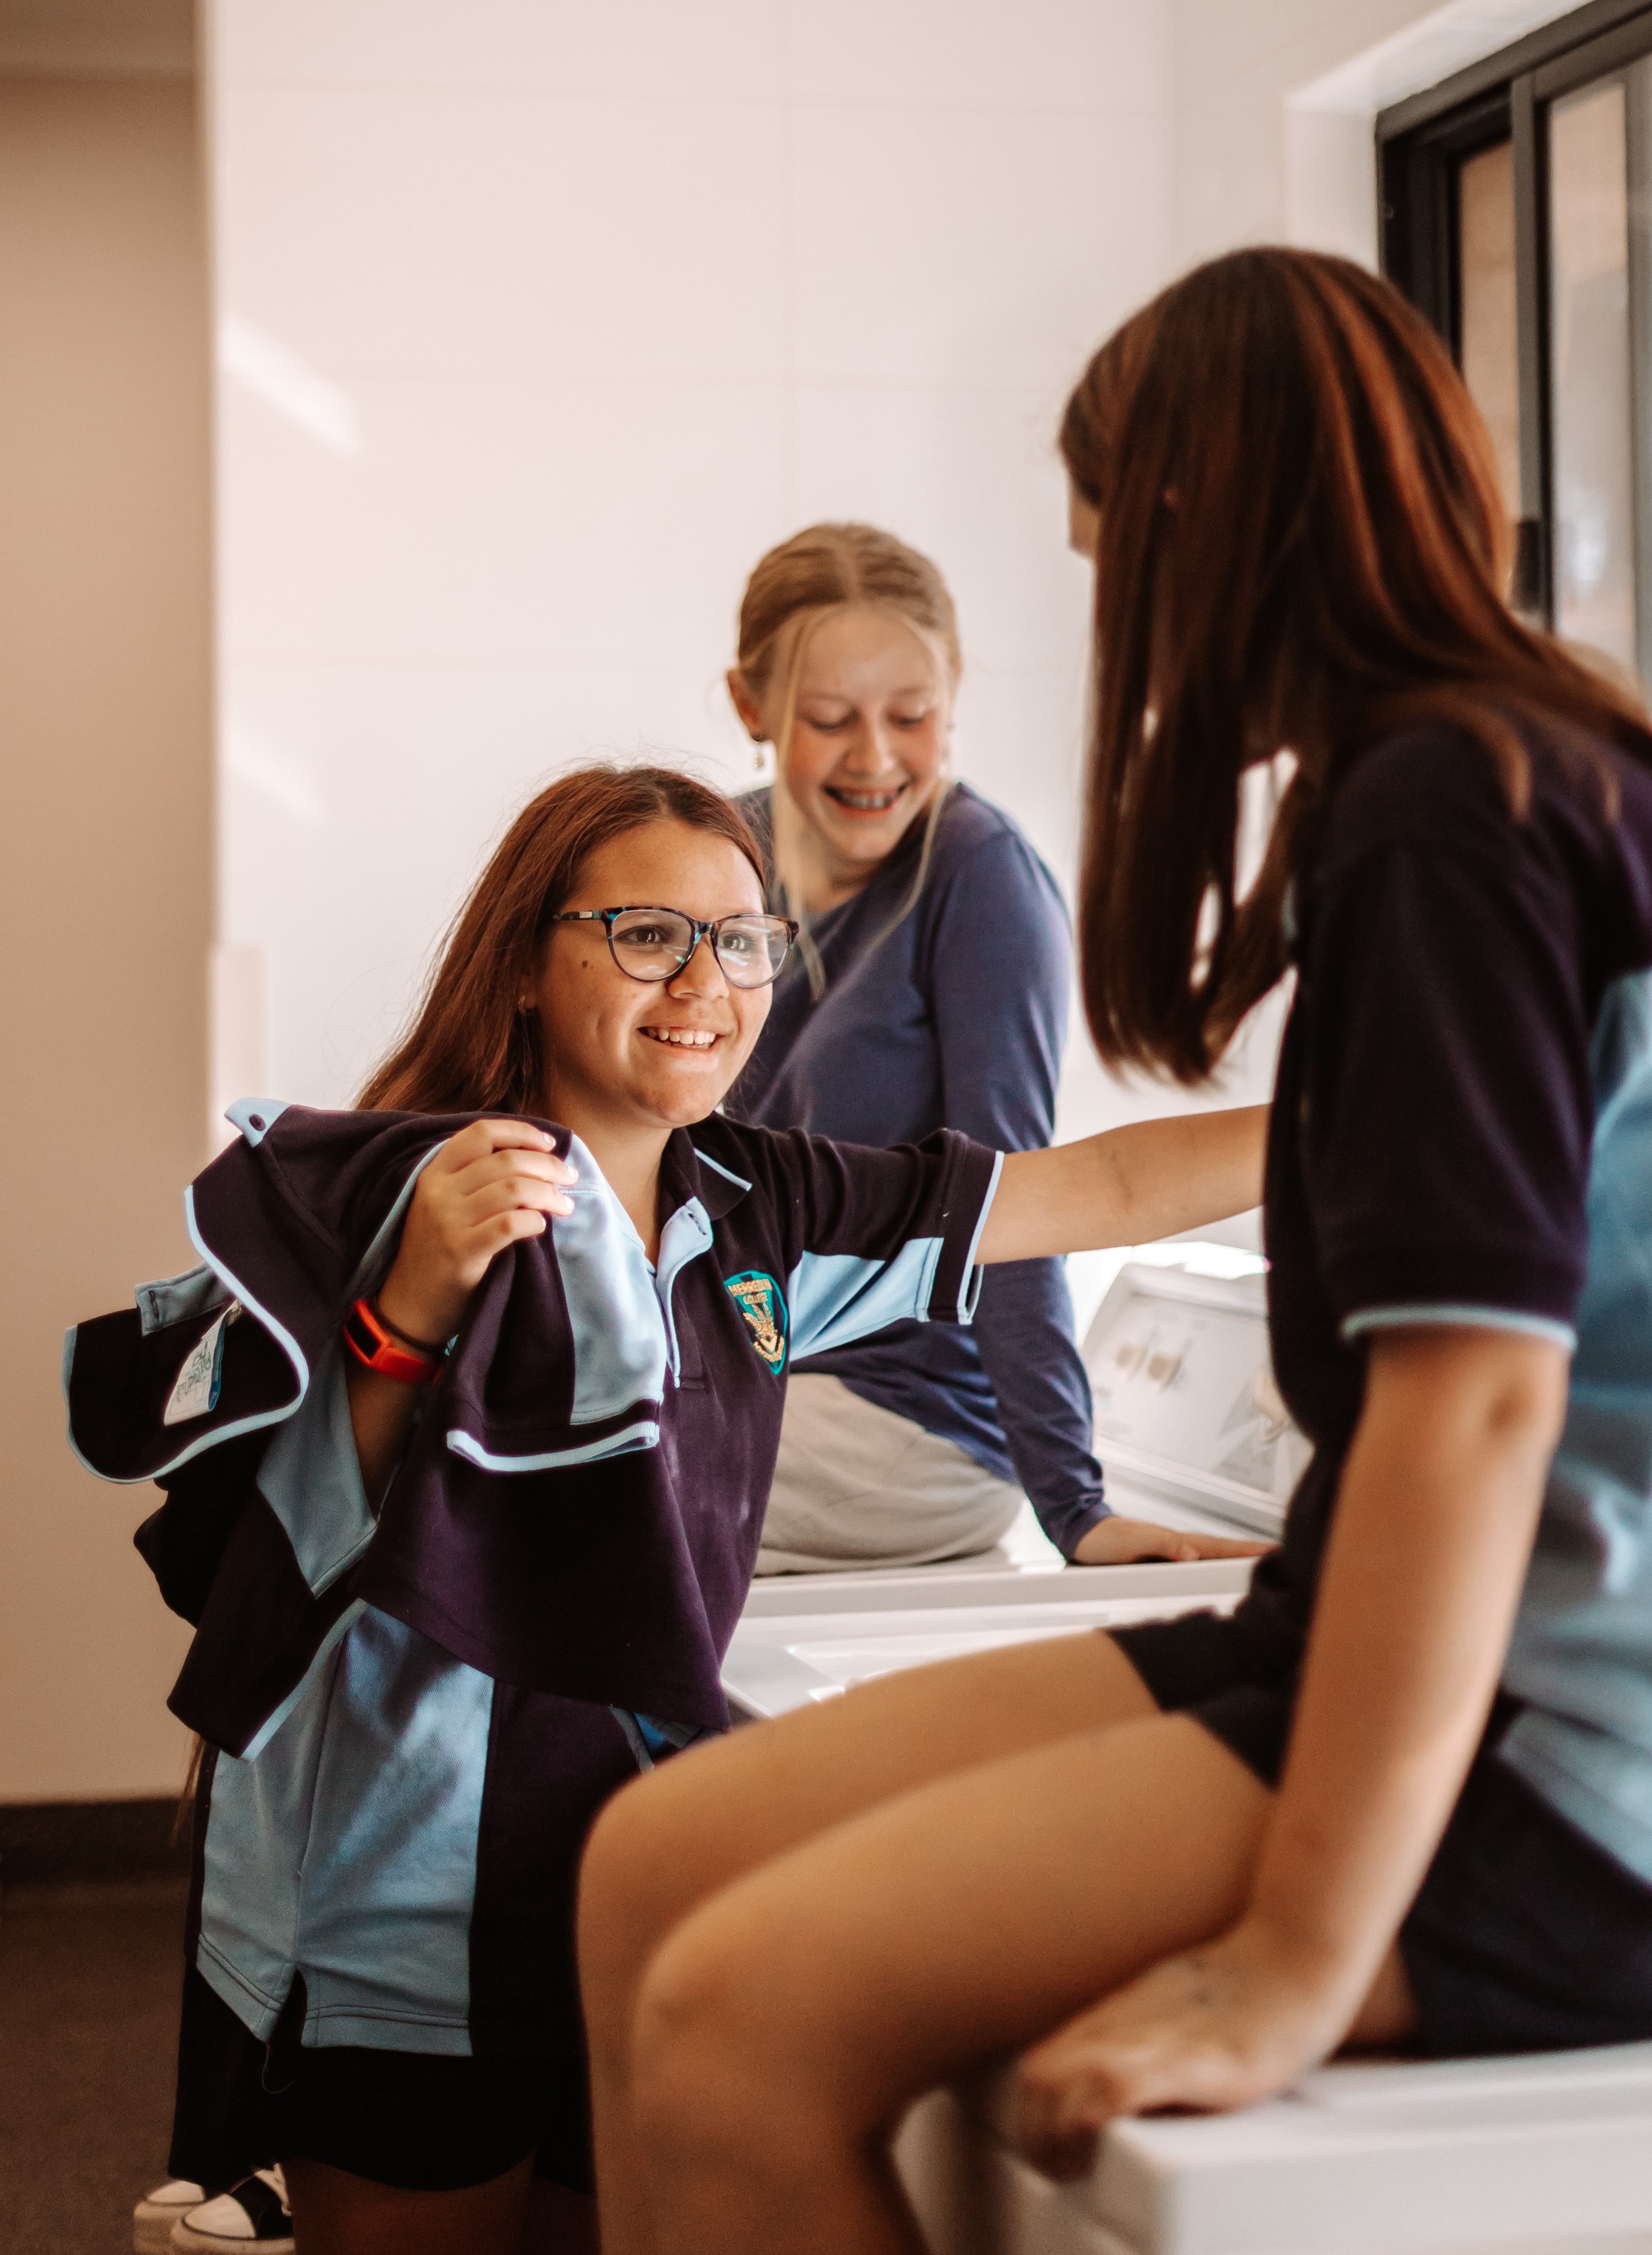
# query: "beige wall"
105,865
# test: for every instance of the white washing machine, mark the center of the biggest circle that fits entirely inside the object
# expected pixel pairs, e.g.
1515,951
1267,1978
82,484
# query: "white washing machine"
1192,1432
1189,1424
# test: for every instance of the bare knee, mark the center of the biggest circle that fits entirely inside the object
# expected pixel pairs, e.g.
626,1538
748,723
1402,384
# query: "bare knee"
705,2083
626,1901
736,2056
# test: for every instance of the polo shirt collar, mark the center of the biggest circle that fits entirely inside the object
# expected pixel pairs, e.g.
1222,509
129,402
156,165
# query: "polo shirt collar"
689,1172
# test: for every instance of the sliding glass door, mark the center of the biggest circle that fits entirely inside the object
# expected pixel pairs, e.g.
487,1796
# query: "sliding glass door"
1590,377
1487,338
1517,215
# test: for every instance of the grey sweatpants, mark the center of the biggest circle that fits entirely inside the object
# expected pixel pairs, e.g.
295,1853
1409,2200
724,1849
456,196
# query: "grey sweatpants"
856,1486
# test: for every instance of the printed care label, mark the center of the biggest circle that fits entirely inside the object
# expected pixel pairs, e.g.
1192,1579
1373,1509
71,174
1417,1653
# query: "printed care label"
195,1390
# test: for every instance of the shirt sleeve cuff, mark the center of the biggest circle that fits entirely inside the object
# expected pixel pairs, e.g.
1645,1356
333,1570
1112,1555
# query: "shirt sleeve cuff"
1075,1526
1460,1313
971,1185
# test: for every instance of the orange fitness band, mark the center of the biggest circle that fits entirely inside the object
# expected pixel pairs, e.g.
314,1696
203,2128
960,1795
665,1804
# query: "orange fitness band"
375,1348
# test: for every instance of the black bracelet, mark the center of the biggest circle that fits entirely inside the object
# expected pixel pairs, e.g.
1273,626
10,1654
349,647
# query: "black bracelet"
420,1345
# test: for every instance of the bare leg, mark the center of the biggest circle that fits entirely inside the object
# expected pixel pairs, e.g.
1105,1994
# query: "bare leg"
335,2213
670,1841
785,2025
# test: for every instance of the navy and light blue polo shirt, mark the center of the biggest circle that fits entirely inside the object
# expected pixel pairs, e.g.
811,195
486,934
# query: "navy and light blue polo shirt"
1462,1134
415,1716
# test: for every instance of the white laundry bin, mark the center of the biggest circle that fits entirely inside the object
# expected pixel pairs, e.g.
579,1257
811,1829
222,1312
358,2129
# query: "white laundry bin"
1545,2154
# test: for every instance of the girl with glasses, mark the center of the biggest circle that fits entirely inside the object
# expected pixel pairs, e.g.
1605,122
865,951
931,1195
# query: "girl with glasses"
467,1422
1400,1797
929,988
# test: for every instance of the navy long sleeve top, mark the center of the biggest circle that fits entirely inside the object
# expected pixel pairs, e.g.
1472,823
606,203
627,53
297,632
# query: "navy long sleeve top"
956,1017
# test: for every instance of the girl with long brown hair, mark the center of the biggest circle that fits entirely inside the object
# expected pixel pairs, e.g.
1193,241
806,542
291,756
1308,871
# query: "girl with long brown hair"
466,1421
930,989
1399,1797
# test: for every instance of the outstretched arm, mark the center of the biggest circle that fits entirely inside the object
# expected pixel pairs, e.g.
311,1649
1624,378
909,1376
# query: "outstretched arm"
1129,1186
1436,1518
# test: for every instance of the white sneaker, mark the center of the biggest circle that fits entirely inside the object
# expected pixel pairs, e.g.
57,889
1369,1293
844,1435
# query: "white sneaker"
254,2216
155,2215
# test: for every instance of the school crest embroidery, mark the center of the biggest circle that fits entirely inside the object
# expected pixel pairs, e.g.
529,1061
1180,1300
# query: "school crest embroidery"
758,1299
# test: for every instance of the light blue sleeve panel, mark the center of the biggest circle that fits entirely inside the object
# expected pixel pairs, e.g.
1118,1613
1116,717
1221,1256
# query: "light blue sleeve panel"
838,1297
622,1343
619,1332
1580,1656
311,1476
214,1284
312,1479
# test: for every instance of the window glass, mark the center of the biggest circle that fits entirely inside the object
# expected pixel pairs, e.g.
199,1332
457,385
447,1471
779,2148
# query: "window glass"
1589,349
1487,342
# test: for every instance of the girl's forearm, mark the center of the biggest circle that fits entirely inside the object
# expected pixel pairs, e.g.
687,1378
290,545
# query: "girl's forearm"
1129,1186
1435,1521
381,1413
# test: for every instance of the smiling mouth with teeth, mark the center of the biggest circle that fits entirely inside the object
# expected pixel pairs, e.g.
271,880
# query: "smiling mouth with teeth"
682,1037
864,802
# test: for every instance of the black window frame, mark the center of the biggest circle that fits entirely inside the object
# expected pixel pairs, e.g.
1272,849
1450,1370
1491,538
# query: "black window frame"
1419,143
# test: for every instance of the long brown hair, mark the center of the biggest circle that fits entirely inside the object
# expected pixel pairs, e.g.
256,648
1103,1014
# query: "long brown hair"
1303,546
472,1048
824,569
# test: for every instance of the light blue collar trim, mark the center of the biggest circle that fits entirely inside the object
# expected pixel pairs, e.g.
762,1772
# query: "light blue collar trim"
255,1115
985,1208
728,1176
277,1331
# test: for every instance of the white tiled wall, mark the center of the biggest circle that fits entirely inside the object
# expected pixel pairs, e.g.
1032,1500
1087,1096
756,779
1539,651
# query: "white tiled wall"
539,321
543,321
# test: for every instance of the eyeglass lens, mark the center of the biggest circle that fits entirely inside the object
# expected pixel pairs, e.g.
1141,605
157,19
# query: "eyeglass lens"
656,943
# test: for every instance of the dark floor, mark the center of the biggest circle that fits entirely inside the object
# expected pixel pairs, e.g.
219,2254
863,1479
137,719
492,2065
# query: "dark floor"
89,1978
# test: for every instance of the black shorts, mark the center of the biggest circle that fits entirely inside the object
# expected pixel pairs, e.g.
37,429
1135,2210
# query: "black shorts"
419,2120
1525,1936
